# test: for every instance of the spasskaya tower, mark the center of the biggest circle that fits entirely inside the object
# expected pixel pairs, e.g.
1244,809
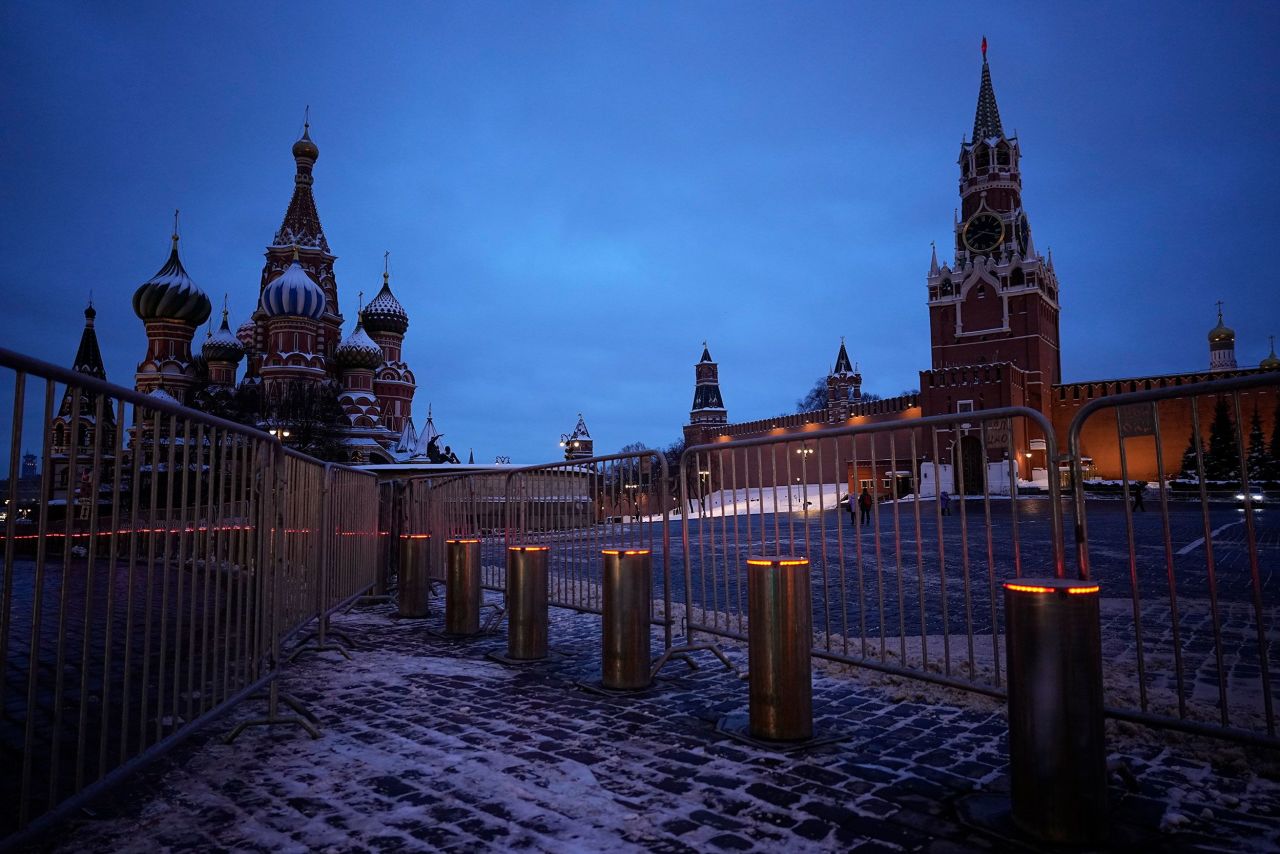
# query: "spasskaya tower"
993,312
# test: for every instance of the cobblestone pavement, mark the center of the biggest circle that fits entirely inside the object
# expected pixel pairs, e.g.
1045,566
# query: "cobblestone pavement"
427,745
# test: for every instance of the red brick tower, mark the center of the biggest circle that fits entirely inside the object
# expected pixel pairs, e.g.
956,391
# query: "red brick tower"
993,314
844,387
708,410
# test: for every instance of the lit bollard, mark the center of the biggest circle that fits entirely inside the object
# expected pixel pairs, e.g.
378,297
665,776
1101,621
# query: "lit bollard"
628,584
1057,750
462,587
414,584
527,602
779,640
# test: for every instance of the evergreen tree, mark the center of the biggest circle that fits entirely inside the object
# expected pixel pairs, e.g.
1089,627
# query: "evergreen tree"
1223,460
1189,468
1259,456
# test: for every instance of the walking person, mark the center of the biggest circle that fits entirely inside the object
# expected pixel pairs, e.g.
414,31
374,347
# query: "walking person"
1138,504
864,504
853,509
944,500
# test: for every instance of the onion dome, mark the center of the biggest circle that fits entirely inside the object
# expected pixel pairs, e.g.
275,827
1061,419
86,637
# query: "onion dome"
246,333
1221,334
222,346
1272,362
293,294
304,148
357,350
384,313
171,295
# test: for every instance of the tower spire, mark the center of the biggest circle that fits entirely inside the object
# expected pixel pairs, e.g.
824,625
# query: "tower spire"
986,120
933,261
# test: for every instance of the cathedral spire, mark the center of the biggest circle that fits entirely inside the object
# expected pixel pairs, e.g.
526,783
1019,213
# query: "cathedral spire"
933,261
986,120
88,355
301,223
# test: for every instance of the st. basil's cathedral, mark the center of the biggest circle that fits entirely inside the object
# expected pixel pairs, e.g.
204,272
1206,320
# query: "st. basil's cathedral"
354,393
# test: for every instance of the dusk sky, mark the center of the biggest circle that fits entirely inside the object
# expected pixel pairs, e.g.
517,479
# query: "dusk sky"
576,195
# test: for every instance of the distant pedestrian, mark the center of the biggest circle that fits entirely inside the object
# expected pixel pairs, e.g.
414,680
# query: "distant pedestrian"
944,501
864,504
1138,505
852,508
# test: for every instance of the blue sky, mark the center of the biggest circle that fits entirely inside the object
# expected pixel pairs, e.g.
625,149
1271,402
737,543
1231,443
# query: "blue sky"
575,195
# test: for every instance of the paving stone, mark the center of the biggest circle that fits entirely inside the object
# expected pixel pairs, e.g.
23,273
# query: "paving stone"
427,746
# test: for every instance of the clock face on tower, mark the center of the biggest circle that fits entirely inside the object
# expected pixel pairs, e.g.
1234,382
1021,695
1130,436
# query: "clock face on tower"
983,232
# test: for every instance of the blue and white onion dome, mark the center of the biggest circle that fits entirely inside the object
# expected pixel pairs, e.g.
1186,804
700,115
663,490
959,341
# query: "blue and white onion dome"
293,294
223,345
384,313
357,350
171,295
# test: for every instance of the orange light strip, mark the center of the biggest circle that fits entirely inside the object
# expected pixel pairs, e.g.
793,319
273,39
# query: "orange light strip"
1075,591
625,551
528,548
777,562
415,536
1028,588
462,541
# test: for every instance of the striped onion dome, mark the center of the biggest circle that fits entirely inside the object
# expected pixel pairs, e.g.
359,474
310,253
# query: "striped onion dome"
384,313
293,294
245,334
171,295
358,351
222,346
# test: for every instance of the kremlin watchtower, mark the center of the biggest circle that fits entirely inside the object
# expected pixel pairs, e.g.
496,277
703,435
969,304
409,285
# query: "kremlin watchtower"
844,387
708,406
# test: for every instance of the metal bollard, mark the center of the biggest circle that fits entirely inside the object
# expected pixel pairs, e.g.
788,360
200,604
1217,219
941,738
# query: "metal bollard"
1057,749
415,575
628,586
779,640
462,587
527,602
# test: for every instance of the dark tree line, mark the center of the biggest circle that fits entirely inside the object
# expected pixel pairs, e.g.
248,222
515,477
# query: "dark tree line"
1221,456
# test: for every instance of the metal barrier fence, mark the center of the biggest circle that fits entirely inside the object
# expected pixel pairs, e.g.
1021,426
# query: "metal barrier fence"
1191,601
578,507
905,575
581,507
153,567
